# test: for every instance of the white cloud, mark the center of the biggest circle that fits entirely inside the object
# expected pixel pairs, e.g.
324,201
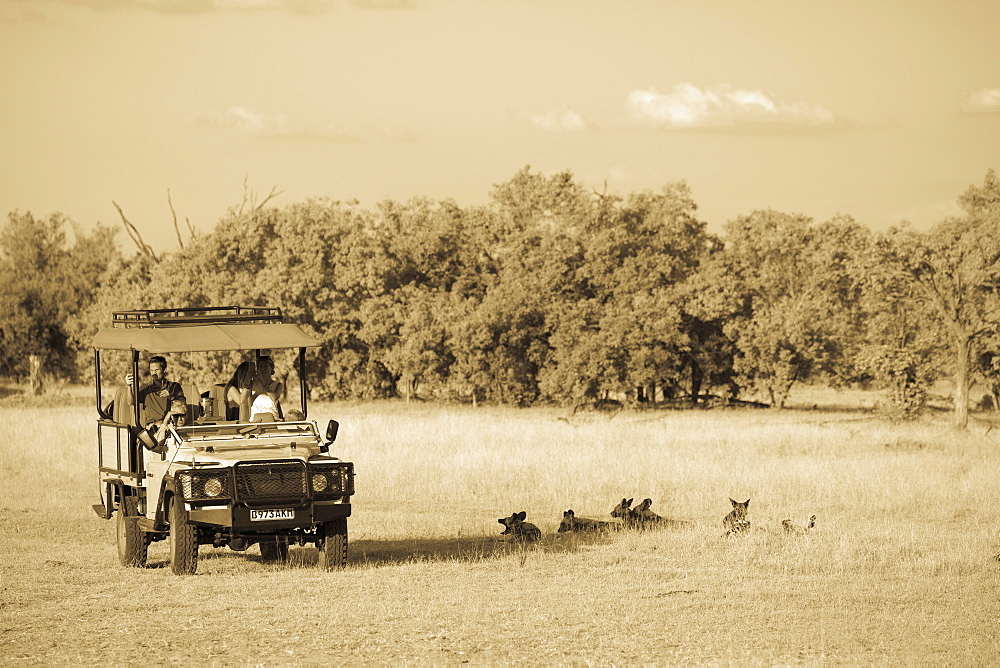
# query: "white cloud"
395,133
984,100
275,126
565,120
382,4
204,6
687,106
246,120
247,4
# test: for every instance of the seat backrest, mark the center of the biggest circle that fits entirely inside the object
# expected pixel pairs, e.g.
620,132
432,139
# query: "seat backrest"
122,412
218,395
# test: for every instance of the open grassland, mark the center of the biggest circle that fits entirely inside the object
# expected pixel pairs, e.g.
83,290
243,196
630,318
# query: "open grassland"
900,568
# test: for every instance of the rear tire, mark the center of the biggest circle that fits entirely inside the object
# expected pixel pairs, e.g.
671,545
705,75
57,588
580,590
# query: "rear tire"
333,547
133,545
183,541
274,550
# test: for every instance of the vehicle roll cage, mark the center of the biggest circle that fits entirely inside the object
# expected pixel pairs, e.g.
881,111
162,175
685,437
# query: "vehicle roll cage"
212,315
208,329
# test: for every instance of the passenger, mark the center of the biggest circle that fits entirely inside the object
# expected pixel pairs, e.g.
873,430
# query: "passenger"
266,405
177,413
176,416
156,396
294,415
238,392
249,383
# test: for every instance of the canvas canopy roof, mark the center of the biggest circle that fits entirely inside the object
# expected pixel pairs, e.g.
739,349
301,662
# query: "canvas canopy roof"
201,338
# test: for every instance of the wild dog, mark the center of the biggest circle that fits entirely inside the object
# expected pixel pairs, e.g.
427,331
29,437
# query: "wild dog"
641,516
647,516
790,528
624,512
519,529
570,522
736,522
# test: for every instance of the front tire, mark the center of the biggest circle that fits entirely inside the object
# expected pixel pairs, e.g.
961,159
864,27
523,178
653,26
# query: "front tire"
333,547
133,545
183,541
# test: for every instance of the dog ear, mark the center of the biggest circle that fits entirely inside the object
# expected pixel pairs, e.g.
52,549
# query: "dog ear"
733,502
521,515
747,504
629,501
503,521
568,513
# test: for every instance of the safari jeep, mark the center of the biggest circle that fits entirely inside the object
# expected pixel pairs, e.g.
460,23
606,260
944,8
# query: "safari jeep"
203,479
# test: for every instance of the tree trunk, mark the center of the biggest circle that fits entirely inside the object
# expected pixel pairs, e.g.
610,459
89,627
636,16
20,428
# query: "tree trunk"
696,380
35,374
962,382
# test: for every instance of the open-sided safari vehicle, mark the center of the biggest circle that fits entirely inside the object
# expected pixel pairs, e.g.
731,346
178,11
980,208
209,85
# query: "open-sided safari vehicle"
203,479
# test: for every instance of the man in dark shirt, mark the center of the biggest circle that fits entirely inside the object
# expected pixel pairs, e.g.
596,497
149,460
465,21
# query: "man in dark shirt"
156,396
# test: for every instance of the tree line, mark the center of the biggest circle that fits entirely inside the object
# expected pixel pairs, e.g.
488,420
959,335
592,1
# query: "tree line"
550,293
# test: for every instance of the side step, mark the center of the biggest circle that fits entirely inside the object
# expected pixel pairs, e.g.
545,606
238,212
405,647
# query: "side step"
147,525
101,511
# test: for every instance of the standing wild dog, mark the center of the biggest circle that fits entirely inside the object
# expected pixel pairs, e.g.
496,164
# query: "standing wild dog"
519,529
792,529
736,522
570,522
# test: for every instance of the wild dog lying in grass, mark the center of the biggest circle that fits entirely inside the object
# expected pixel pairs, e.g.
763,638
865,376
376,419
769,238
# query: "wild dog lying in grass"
647,516
736,522
570,522
641,516
519,529
796,530
623,511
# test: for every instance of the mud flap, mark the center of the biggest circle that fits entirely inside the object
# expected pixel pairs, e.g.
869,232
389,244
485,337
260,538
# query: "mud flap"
105,509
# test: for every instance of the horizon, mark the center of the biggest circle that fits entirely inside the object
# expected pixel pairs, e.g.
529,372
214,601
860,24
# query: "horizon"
886,112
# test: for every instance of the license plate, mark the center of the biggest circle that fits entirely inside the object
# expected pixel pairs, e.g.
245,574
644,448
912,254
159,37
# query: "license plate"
272,514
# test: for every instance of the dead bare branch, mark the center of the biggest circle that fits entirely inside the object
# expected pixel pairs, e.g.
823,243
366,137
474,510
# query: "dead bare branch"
274,193
249,203
604,193
177,229
136,237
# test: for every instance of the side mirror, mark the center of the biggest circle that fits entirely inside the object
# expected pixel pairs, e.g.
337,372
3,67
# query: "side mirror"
331,431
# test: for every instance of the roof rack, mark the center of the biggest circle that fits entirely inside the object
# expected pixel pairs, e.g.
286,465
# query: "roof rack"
212,315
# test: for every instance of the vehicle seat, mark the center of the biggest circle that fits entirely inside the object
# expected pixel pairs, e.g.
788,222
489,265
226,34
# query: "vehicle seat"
218,395
122,412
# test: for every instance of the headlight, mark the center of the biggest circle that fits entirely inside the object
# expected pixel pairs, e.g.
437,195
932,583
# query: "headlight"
213,487
319,482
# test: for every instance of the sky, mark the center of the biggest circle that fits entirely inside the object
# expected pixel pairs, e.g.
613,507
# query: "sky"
885,110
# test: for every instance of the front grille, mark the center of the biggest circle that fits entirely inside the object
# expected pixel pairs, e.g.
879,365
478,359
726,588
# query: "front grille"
270,481
339,479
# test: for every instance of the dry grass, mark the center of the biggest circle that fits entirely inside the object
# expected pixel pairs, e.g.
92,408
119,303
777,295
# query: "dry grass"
899,569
